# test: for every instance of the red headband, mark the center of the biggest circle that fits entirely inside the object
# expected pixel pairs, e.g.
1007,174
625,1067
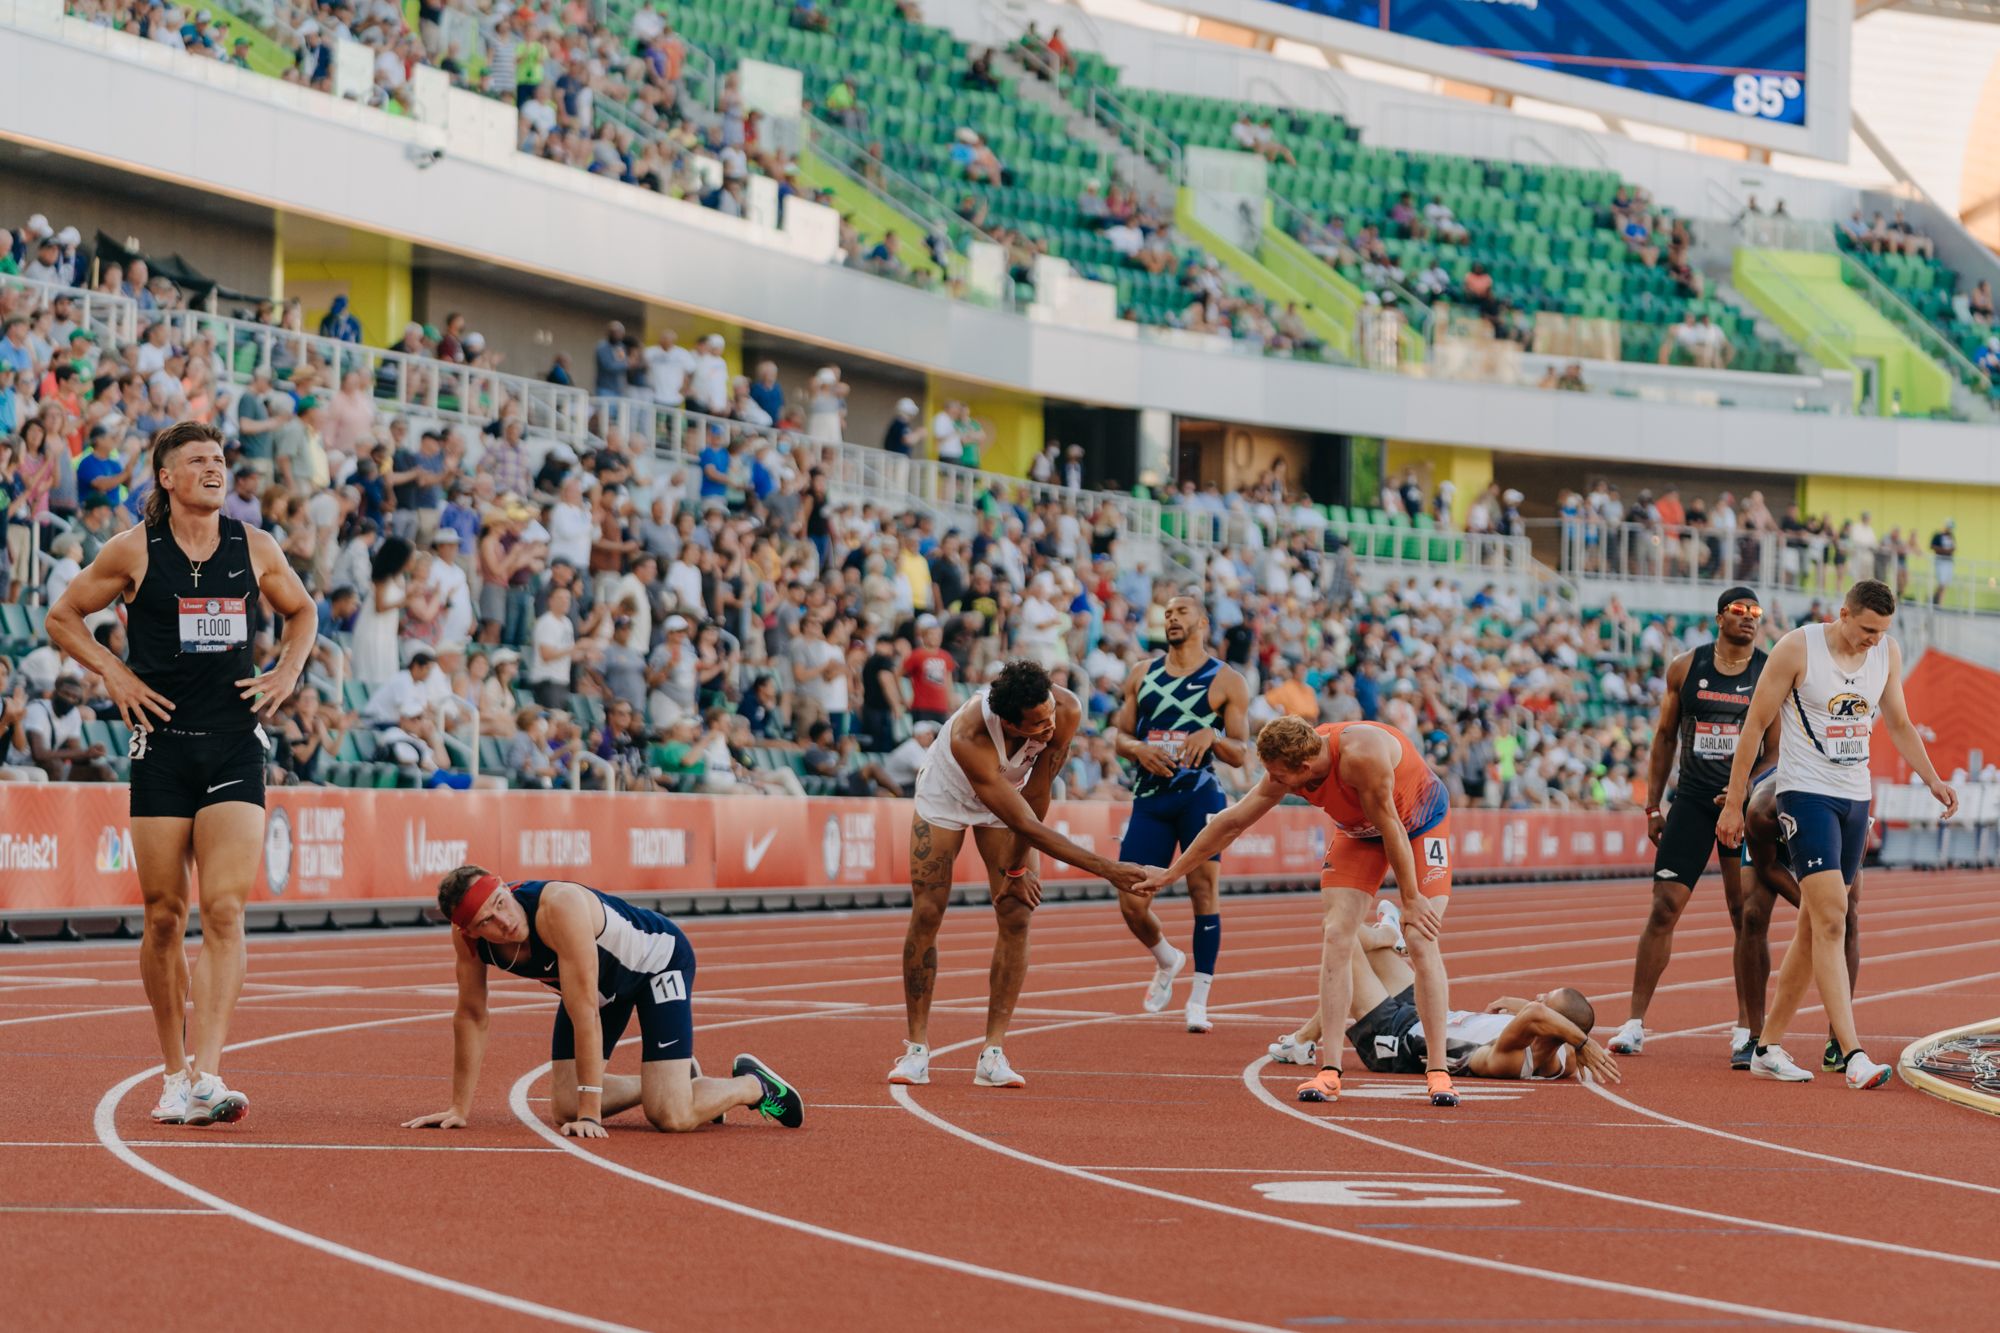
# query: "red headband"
475,898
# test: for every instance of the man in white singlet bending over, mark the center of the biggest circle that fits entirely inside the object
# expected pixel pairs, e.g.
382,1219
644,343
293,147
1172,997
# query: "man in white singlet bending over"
991,771
1828,682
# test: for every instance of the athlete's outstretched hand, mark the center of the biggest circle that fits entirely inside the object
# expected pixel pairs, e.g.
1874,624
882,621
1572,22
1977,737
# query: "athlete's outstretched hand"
1729,826
1947,796
1156,879
1154,760
584,1129
135,699
1129,878
442,1120
1420,918
1599,1062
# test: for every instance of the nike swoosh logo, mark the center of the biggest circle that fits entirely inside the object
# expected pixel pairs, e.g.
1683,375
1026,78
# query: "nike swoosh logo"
753,851
220,785
663,1045
235,574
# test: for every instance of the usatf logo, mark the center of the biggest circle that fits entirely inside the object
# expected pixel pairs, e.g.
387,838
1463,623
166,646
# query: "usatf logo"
424,856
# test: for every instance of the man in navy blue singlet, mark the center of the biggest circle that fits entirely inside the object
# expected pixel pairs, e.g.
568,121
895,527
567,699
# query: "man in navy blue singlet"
1181,712
609,960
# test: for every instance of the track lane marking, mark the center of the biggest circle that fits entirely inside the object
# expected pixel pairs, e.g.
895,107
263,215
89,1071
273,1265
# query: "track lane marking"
105,1122
908,1103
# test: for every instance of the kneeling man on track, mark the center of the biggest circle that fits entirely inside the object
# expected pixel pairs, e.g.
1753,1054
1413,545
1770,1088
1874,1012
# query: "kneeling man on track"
1511,1038
991,771
608,959
1384,800
1828,682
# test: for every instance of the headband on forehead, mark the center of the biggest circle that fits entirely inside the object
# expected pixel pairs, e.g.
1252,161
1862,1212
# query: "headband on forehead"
475,898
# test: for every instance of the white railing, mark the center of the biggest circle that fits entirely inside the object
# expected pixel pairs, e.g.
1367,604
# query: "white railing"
397,380
584,758
113,317
1659,554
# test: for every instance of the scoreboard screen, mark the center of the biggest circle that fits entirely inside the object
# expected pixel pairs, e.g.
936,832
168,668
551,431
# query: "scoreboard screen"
1745,60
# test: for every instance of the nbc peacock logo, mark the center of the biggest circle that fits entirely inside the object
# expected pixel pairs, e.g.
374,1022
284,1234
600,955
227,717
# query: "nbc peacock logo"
114,851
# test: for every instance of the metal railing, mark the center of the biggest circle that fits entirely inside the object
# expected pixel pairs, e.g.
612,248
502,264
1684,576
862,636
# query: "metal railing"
1812,566
1295,220
1899,312
1147,139
397,380
112,317
872,175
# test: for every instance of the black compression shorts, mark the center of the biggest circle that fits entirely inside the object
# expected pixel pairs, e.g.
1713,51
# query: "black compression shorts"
178,774
1688,839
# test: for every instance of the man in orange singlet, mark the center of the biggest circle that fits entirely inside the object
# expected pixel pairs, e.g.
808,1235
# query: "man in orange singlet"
1391,815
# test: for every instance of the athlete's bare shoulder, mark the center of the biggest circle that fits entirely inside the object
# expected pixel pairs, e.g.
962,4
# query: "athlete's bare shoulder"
1068,707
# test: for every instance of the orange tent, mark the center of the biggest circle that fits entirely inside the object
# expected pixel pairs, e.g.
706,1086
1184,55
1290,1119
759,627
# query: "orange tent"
1952,702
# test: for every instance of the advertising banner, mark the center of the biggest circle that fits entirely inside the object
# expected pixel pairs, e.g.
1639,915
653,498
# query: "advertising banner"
69,848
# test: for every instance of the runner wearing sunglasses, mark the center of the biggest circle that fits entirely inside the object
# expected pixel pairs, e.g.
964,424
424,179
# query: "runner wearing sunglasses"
1701,719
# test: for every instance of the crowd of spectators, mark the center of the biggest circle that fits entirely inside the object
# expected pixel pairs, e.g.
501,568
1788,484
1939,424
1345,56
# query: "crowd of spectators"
721,625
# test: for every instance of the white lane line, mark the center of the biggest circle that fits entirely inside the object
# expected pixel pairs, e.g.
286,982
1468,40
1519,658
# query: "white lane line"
518,1098
1817,1155
1292,1171
903,1098
103,1211
236,1145
105,1122
1264,1094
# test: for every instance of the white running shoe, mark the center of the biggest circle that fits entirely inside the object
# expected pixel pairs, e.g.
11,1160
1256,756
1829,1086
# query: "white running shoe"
210,1103
915,1066
995,1072
1197,1017
1162,988
1863,1073
1772,1062
1289,1050
1630,1039
173,1107
1389,912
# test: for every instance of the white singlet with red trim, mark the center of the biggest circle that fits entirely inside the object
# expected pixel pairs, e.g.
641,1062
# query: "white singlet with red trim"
1830,720
944,794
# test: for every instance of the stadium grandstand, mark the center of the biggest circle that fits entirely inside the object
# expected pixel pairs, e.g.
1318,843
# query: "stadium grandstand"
659,431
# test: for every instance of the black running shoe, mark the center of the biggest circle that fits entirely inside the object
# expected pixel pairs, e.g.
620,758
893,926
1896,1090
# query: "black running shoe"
781,1101
1831,1060
1740,1056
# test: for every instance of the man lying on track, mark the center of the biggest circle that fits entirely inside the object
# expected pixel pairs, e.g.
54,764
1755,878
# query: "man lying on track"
608,959
1513,1038
1384,802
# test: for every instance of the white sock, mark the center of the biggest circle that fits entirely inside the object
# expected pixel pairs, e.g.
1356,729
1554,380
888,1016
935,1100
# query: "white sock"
1199,995
1163,953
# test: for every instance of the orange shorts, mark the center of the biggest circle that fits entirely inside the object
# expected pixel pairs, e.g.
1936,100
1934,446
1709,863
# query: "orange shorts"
1363,863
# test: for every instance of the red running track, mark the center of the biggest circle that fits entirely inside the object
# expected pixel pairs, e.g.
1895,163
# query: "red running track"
1144,1178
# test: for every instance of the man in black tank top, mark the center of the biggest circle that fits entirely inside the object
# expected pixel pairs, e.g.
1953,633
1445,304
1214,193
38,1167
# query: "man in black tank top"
1701,719
193,584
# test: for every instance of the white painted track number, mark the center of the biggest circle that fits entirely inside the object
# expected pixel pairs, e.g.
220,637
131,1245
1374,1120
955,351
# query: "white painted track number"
1385,1194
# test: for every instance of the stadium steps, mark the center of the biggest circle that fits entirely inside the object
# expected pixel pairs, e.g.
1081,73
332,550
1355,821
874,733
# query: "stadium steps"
1805,295
1917,295
1275,290
869,213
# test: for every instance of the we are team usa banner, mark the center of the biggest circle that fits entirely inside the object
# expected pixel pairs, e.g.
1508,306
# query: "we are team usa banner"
1745,57
68,848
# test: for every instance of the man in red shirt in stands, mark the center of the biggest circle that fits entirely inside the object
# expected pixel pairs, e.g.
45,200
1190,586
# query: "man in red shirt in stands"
930,669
